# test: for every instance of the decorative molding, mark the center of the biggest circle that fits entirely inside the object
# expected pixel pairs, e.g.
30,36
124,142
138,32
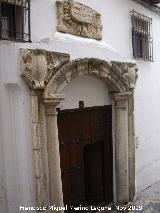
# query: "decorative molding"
38,66
50,71
78,19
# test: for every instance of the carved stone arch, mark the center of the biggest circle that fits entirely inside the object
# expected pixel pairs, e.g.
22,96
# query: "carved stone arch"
119,77
47,73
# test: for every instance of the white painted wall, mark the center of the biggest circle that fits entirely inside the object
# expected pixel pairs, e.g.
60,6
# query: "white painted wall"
17,168
17,178
87,89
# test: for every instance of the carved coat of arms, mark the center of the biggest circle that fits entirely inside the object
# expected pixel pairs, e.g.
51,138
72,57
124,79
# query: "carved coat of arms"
78,19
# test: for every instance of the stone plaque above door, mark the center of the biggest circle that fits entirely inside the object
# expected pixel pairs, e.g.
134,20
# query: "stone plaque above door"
78,19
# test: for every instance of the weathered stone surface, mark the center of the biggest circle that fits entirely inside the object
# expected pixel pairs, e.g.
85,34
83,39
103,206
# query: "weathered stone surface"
45,70
119,77
55,184
38,148
78,19
38,66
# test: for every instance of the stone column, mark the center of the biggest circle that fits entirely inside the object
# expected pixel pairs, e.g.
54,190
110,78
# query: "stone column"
121,147
55,184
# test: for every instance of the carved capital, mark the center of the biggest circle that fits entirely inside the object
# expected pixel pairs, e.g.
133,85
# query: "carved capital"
39,65
121,96
128,71
53,99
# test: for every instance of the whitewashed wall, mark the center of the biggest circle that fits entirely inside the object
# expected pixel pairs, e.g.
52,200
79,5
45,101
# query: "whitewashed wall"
87,89
16,169
17,178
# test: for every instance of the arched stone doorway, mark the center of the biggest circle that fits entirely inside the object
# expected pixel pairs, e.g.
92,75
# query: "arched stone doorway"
54,72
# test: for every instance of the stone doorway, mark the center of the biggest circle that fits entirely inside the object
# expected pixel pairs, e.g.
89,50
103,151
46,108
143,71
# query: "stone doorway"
86,155
53,71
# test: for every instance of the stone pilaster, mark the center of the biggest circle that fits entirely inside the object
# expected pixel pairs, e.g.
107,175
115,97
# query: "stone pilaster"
121,147
38,148
131,147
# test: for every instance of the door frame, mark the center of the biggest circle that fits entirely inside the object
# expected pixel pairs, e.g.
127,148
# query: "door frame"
120,79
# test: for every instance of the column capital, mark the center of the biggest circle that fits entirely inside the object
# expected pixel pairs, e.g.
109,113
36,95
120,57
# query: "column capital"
121,100
53,99
121,96
51,102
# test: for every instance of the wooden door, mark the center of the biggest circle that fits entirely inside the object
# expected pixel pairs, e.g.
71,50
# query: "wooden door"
85,137
71,157
94,173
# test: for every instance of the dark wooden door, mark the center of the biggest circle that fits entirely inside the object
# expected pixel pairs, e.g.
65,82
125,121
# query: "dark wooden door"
94,173
85,137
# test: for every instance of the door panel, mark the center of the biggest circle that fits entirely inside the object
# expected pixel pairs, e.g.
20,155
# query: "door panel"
94,173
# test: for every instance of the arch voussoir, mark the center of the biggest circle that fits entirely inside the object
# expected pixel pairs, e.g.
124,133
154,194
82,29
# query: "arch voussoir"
119,77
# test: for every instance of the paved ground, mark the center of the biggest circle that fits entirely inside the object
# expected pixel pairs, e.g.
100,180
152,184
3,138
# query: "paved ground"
147,201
